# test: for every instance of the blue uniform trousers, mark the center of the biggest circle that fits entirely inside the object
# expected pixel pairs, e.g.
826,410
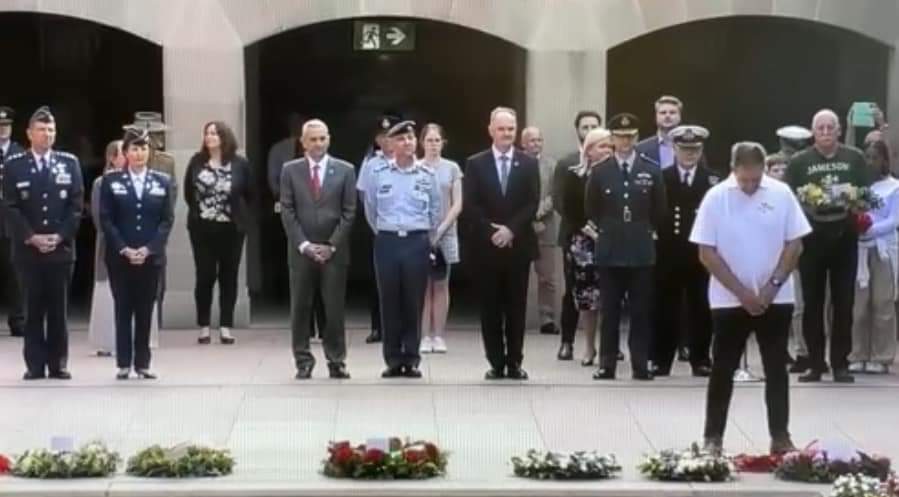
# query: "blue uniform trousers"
134,290
47,293
401,268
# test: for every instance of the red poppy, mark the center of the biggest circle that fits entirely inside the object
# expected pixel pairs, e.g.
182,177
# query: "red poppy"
373,456
432,451
414,456
5,465
863,222
342,455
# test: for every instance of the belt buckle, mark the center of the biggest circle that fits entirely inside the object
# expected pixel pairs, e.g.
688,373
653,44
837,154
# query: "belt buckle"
626,215
402,233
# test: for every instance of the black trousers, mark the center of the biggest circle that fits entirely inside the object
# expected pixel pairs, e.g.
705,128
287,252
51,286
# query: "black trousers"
311,285
13,289
835,256
636,284
401,265
217,249
732,329
503,287
46,333
681,309
570,315
374,298
317,321
134,290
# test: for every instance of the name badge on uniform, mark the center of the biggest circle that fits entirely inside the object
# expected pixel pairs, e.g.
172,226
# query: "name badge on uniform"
626,215
23,184
157,192
64,179
63,194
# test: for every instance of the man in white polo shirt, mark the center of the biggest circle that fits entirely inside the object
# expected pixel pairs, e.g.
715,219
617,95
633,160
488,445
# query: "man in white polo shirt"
749,230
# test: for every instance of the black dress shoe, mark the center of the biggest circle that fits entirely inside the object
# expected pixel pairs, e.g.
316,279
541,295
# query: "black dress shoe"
588,361
810,376
644,375
374,337
494,374
550,329
842,375
204,340
800,365
60,375
30,375
565,352
123,374
392,372
660,371
411,372
516,374
604,374
683,354
145,374
702,371
304,373
338,372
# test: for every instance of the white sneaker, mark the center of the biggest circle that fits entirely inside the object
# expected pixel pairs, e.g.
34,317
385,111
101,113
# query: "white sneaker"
426,347
439,345
857,367
877,368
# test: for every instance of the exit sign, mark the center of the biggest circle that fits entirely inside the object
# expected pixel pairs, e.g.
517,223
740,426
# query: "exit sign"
374,35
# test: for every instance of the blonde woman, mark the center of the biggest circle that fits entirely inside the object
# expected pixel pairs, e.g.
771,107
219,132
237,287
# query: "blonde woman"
437,298
597,147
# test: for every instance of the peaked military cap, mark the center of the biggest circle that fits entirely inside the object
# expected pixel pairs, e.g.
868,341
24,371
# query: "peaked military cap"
135,135
401,129
689,136
7,114
42,114
624,124
794,133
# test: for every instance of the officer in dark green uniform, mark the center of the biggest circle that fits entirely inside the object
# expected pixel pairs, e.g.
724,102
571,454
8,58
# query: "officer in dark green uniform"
625,200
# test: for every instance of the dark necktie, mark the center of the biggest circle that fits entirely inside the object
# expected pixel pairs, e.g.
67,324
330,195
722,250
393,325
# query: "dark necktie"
2,155
686,178
504,173
625,168
316,182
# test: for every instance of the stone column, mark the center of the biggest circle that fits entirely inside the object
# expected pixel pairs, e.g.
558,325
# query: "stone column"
203,72
559,84
892,107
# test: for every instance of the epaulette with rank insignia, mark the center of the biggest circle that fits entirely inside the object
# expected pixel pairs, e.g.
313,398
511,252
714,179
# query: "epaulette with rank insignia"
16,156
67,155
161,174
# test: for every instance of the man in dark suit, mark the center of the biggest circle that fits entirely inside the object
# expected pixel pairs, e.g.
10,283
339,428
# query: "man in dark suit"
318,206
584,122
11,274
43,196
658,148
682,282
625,200
501,192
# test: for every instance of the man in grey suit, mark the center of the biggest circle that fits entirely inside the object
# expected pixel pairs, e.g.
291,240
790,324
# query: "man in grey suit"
318,205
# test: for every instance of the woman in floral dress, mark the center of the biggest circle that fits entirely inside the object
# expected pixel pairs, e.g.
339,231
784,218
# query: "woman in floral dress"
217,190
596,149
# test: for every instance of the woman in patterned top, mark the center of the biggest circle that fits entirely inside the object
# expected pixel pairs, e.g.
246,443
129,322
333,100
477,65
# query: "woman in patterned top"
217,190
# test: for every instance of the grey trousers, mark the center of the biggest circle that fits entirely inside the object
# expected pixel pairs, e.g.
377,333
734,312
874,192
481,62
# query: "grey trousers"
307,278
874,315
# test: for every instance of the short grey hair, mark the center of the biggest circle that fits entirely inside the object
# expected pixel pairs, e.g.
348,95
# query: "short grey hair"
314,123
821,114
503,110
747,152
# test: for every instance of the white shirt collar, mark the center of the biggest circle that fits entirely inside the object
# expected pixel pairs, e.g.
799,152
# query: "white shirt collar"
681,171
37,157
5,147
138,176
630,159
731,181
497,154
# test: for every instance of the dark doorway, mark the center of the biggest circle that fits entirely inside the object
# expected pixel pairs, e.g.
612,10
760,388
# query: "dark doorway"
454,77
94,78
743,77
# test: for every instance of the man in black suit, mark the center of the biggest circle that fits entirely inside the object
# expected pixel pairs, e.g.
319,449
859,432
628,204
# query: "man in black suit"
501,192
625,200
13,290
682,282
584,122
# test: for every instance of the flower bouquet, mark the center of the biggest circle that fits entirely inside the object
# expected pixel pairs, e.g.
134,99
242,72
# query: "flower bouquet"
815,464
857,485
764,463
180,461
831,201
692,465
5,465
93,460
565,465
401,461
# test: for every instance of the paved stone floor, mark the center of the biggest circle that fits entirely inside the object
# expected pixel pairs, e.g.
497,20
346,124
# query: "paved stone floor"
244,397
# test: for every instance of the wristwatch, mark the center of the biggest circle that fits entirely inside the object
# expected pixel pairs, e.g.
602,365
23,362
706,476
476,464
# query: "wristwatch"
776,281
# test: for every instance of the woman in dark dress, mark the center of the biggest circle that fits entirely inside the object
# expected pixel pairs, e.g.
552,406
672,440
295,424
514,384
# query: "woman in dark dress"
596,149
